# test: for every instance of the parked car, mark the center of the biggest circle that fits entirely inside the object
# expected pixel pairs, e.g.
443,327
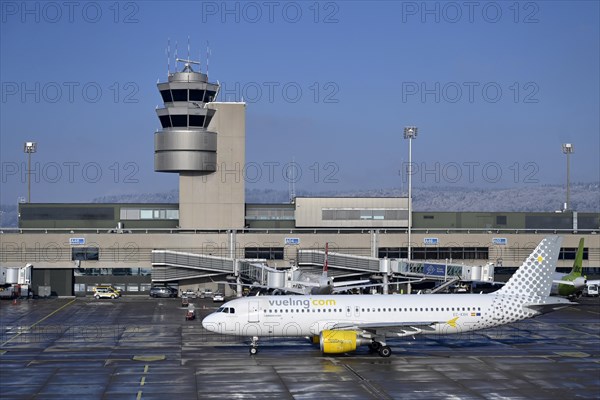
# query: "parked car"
163,291
106,292
206,293
218,297
189,293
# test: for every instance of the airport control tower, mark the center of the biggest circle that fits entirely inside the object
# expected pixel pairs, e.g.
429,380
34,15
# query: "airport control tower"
204,142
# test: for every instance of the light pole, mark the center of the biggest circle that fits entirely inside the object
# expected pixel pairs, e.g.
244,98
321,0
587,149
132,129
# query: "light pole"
568,148
30,147
410,133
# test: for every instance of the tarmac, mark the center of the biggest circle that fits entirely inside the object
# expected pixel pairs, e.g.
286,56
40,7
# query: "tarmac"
142,348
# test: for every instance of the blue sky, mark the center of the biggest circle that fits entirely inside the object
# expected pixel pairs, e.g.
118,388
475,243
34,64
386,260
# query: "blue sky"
494,87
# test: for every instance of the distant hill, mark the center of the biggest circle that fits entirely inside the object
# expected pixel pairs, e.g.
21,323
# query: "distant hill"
585,197
546,198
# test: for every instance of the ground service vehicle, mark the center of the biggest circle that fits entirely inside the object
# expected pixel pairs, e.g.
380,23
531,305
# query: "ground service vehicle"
106,292
163,291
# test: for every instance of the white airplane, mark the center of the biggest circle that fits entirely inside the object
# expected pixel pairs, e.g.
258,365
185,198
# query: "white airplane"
343,322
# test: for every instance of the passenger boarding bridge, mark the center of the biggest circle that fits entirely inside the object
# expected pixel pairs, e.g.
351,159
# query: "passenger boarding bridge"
177,266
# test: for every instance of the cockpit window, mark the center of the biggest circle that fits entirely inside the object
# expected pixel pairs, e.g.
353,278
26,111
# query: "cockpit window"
220,309
232,310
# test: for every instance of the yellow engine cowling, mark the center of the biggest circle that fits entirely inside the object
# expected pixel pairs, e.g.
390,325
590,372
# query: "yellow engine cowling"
333,342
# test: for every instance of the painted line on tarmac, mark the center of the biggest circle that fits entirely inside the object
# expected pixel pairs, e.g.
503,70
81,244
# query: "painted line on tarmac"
41,320
142,382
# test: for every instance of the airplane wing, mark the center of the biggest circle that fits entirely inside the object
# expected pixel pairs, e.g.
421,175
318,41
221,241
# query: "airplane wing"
395,328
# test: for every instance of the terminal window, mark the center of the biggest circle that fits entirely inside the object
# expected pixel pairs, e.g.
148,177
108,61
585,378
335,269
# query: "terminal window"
436,253
133,214
337,214
569,253
269,253
85,253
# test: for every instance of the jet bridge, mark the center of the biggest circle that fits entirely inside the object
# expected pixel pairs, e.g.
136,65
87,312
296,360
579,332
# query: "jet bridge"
316,258
440,271
170,265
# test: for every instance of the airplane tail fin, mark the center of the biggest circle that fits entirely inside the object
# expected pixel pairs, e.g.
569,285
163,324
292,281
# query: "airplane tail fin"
533,279
577,264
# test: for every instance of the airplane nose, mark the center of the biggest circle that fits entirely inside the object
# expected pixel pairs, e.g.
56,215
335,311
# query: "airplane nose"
209,323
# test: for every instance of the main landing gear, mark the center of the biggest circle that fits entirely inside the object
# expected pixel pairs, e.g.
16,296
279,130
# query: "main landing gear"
381,348
254,345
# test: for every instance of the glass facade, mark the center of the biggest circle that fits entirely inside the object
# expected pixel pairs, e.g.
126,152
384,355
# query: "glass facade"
134,214
269,253
436,253
337,214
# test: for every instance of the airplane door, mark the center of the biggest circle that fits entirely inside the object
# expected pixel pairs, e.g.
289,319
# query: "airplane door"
348,311
253,311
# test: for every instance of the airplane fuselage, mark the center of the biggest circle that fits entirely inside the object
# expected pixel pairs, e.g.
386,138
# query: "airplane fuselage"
299,316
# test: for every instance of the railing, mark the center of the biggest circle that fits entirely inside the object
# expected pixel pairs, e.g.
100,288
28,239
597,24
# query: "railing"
13,230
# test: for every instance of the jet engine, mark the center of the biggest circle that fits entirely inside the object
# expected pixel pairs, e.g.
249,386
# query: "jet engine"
333,342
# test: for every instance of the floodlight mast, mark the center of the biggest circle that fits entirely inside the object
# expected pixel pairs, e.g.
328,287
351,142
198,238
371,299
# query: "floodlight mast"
410,133
29,147
568,149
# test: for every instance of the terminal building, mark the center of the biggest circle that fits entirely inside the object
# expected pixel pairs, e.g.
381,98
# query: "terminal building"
211,234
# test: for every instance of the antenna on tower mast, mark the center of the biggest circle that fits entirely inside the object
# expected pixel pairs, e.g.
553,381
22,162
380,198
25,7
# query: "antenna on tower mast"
207,57
176,56
168,56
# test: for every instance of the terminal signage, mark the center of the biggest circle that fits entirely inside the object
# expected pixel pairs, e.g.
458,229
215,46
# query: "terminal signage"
292,241
430,241
76,241
500,241
434,269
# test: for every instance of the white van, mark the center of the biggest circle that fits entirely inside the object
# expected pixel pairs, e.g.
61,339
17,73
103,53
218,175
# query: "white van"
592,288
